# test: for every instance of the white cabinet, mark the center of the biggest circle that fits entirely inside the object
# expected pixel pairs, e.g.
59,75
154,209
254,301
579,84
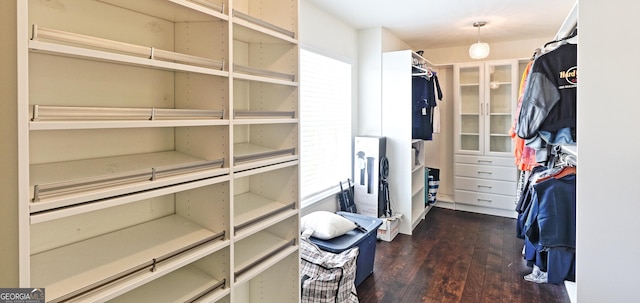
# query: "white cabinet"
160,144
406,166
485,96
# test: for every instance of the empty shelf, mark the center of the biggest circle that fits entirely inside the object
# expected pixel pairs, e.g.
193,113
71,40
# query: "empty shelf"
263,23
247,114
77,45
46,117
176,10
186,284
74,269
122,47
63,184
54,113
252,252
245,152
251,208
263,72
219,7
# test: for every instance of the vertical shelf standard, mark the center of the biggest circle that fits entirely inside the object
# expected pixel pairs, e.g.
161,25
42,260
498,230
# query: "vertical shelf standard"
406,178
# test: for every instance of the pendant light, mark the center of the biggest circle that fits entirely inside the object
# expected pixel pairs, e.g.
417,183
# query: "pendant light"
479,50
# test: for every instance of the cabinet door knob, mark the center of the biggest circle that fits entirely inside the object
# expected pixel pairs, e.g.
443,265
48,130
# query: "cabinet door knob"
485,161
485,186
485,172
484,200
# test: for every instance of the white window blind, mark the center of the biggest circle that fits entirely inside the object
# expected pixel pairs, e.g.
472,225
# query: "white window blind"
325,124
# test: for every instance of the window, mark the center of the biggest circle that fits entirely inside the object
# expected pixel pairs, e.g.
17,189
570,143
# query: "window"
325,125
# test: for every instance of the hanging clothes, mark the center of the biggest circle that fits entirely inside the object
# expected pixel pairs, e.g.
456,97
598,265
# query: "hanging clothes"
424,91
547,222
549,102
437,93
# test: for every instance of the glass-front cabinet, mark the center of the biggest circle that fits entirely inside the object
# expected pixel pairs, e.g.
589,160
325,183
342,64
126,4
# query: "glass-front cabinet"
485,107
486,95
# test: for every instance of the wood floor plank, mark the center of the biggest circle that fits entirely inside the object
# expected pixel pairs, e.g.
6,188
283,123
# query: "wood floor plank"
455,256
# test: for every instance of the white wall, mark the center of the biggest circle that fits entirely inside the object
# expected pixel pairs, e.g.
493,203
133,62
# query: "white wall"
372,43
324,34
503,50
392,43
608,109
370,82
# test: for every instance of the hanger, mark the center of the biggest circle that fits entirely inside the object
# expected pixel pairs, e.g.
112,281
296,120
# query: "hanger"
560,165
536,53
573,33
426,72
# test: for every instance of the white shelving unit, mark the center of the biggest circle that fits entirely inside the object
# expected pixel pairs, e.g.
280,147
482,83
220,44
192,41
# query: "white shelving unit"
406,179
159,144
485,96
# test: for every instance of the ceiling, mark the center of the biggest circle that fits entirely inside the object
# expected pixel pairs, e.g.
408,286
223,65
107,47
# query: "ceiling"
448,23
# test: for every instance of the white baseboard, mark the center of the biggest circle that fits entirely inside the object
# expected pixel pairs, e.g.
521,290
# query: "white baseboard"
571,290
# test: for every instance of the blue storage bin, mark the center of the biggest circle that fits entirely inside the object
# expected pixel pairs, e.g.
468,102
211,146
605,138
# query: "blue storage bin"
365,241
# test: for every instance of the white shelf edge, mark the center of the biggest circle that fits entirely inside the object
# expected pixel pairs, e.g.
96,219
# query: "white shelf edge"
248,77
416,168
201,8
249,206
192,6
241,168
265,31
133,188
97,55
135,281
121,200
62,125
265,121
500,114
74,170
416,190
262,225
263,169
149,292
266,265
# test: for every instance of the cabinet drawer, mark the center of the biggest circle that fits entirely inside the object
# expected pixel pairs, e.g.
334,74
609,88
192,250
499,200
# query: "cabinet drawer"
486,172
485,200
484,160
486,186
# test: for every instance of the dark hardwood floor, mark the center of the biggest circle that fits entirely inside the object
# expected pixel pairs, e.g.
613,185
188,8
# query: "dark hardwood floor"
455,256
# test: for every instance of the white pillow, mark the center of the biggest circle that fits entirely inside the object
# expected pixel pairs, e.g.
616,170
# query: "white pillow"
326,225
